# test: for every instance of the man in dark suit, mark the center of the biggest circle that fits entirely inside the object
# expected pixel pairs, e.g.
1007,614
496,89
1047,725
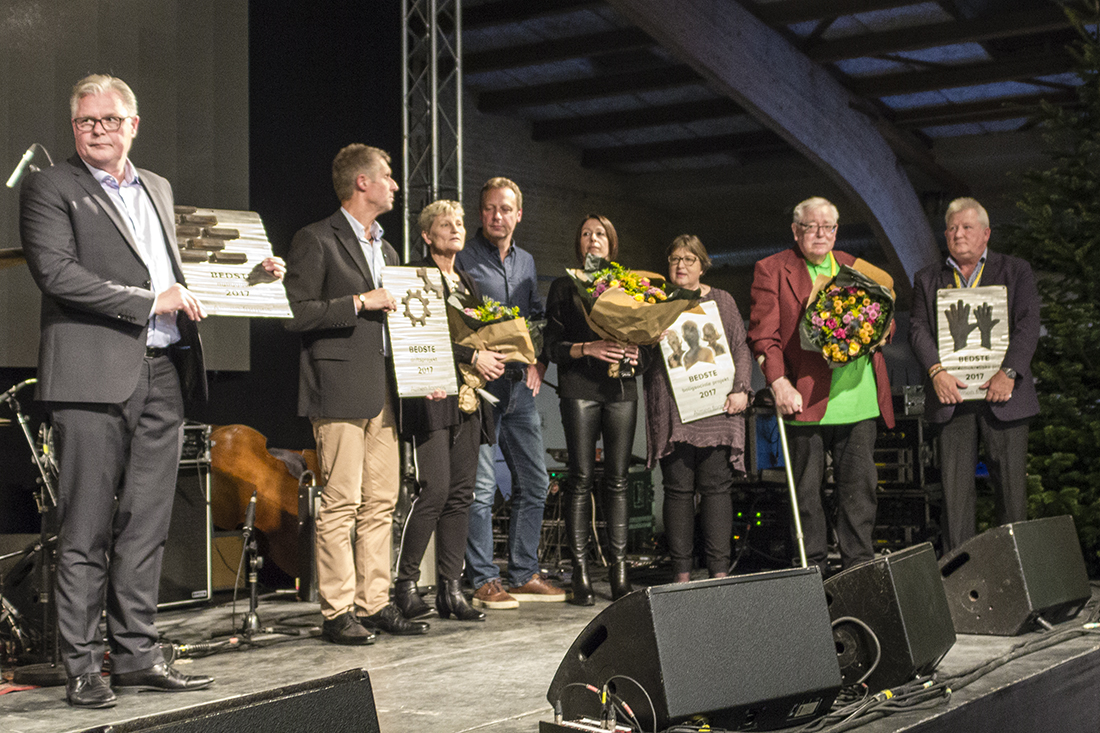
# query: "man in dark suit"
119,357
1002,418
346,389
829,409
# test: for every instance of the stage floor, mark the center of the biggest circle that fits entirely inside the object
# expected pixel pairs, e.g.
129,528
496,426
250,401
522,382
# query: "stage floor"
489,677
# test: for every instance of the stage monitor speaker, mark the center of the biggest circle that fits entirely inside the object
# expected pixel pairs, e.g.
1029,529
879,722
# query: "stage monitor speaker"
343,702
1006,579
899,598
751,651
185,576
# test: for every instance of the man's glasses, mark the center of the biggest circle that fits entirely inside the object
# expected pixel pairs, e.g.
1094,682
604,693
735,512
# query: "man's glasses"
818,228
110,124
688,260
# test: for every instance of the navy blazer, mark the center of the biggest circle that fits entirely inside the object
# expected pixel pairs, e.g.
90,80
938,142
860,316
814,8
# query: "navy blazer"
342,366
96,289
1023,317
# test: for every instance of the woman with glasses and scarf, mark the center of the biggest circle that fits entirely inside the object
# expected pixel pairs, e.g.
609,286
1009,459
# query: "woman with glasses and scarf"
699,458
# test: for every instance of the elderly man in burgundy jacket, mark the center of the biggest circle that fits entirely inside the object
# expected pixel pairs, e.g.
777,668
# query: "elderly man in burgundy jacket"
826,409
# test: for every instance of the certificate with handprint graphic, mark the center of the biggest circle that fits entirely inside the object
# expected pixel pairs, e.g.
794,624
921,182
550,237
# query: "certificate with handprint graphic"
972,324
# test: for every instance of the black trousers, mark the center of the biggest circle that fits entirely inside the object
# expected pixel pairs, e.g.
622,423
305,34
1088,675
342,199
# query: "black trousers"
705,471
131,452
584,421
853,449
446,468
1006,457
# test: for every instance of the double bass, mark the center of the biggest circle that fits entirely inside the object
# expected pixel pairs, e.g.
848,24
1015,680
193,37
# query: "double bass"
242,463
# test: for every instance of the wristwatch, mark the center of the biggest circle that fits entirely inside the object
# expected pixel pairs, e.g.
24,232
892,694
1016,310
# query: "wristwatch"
1009,372
363,299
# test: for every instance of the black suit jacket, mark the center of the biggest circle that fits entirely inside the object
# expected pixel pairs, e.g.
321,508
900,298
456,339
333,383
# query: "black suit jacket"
1023,315
342,365
96,296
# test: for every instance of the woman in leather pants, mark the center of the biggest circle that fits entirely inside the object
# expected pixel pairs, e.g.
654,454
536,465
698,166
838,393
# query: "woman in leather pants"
593,404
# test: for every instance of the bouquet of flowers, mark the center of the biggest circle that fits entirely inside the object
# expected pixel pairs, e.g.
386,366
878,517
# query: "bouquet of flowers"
849,315
630,307
489,326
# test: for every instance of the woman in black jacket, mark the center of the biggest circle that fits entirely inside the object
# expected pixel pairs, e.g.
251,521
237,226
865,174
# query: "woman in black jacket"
592,404
446,439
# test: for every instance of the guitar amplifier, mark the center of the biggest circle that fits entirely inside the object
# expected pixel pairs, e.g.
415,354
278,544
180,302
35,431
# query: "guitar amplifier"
185,576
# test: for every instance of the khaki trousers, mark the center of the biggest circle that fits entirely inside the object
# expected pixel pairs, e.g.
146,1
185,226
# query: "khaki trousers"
361,474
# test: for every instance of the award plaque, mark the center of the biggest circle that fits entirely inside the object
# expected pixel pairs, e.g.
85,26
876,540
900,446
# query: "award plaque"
222,252
420,339
698,362
972,328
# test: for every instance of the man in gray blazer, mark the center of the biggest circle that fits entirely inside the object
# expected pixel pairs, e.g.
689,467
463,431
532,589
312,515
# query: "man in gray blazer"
1001,420
119,356
346,389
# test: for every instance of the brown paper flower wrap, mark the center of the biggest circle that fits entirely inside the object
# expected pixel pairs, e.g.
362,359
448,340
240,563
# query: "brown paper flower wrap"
620,305
848,316
508,336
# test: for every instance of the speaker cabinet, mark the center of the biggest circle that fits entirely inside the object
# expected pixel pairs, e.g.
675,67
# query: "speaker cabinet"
185,575
890,618
343,702
752,651
1004,580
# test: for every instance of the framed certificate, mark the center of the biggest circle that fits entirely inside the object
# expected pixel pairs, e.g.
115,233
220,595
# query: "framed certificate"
698,362
420,339
972,333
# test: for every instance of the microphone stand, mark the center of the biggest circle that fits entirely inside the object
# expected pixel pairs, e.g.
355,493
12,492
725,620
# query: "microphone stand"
251,624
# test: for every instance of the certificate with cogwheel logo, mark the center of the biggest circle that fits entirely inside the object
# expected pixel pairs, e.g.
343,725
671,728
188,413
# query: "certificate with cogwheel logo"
420,339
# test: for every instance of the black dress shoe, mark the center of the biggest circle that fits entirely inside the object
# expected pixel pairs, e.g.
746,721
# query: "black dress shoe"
89,691
160,678
390,620
345,629
408,600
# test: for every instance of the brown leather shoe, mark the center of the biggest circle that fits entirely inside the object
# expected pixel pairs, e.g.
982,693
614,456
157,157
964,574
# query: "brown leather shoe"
493,595
539,590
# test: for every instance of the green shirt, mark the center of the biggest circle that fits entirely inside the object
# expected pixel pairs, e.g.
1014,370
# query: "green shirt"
853,395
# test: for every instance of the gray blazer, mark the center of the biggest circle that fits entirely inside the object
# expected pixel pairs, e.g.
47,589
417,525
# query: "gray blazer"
96,291
1023,316
342,367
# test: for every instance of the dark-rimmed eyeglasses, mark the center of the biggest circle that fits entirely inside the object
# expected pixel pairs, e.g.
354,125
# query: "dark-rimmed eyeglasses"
818,228
110,124
688,260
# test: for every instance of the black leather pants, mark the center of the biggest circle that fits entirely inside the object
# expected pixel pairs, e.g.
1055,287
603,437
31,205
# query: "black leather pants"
584,422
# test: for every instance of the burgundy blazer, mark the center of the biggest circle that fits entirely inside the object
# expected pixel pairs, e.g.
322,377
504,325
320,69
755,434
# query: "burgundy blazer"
781,287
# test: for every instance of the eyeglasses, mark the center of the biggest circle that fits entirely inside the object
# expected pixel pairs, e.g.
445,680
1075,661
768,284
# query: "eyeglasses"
110,124
818,228
688,260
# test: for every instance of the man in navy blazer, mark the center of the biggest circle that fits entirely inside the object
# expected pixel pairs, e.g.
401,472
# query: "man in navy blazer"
346,389
119,356
1001,419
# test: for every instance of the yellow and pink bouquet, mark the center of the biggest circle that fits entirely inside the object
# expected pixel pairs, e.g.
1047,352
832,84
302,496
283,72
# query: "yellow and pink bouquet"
847,318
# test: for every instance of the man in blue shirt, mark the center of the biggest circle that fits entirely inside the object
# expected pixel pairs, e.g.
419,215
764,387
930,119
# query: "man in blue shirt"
506,273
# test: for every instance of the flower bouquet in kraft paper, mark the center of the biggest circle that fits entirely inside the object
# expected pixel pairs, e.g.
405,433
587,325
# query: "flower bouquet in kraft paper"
631,307
849,314
487,325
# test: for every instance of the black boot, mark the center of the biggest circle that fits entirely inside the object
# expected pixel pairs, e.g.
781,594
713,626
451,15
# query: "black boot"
576,529
617,526
407,599
450,600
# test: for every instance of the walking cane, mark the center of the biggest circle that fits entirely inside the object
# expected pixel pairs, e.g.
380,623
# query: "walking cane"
763,398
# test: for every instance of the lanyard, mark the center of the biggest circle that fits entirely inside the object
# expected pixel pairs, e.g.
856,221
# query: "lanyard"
958,280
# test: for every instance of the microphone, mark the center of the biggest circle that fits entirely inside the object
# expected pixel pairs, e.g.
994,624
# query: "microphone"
22,167
250,516
16,388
